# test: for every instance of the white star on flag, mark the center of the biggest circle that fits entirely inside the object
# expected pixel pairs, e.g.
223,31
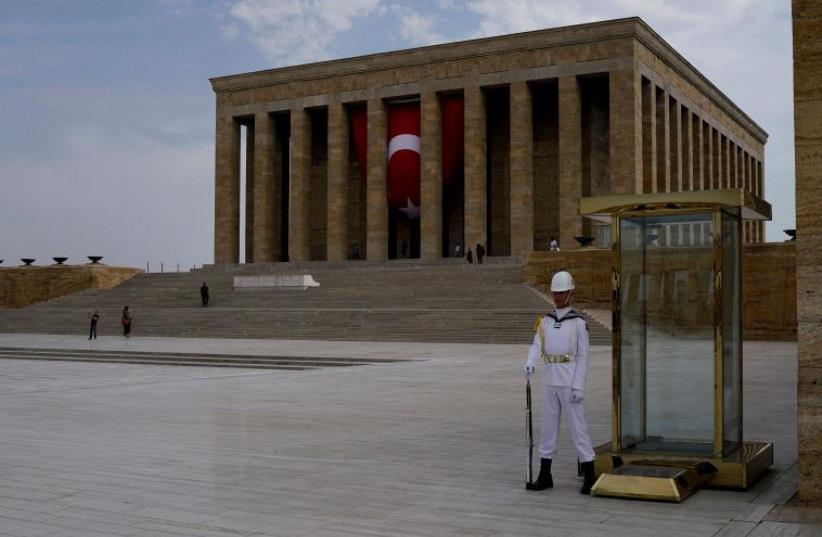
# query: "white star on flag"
411,210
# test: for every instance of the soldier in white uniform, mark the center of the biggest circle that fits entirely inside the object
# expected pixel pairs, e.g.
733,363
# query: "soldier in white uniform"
561,345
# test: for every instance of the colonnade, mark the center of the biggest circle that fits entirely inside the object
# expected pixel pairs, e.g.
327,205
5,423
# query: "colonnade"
685,150
633,136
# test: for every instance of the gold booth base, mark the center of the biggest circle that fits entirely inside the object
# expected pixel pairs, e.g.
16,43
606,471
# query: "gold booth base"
673,477
670,481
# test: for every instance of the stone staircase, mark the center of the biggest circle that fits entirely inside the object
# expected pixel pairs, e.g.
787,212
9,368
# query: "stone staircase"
408,300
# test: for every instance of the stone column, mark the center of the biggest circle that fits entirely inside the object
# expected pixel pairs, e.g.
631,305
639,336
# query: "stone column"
760,191
570,161
476,177
625,131
727,162
376,200
249,192
739,181
713,159
687,151
430,177
675,149
227,191
300,186
807,51
264,209
648,138
522,170
337,243
708,157
698,158
663,146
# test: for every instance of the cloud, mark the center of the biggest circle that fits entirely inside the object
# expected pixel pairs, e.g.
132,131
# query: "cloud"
503,17
416,29
291,32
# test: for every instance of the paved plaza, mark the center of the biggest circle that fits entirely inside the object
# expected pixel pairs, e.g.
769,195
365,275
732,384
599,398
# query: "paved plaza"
430,446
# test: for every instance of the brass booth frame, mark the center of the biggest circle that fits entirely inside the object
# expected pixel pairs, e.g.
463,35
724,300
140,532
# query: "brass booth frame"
737,468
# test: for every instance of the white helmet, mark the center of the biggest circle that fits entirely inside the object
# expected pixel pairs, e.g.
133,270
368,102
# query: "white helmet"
562,281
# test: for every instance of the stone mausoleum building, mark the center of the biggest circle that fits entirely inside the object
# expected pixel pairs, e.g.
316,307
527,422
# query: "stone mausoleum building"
492,141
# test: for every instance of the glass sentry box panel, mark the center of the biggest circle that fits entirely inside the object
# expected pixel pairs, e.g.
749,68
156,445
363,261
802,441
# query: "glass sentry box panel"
731,332
667,340
632,334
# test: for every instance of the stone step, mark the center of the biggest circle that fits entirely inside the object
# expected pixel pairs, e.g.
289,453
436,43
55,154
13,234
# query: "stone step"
211,360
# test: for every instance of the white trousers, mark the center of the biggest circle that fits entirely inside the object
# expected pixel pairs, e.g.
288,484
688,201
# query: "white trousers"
555,399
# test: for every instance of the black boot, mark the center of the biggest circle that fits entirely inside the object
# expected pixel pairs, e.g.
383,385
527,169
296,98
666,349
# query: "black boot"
588,477
544,481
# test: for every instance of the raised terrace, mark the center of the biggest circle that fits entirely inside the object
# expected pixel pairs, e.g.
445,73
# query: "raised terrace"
443,301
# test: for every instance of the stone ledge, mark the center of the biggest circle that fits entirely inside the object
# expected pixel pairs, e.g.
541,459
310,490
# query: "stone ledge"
768,284
23,286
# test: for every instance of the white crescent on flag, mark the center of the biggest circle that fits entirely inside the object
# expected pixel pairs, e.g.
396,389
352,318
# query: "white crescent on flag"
404,141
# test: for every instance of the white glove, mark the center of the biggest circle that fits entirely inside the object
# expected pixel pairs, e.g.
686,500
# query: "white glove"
528,370
577,396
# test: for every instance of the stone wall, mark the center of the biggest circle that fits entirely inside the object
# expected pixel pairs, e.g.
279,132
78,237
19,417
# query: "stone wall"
22,286
768,284
769,291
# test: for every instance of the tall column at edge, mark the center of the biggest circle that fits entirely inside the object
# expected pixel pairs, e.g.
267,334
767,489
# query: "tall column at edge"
570,161
263,215
431,177
227,191
625,132
522,170
300,185
760,191
476,176
250,178
376,200
807,61
337,243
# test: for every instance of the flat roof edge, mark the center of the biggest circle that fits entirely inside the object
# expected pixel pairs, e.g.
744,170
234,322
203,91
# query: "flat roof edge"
615,28
753,207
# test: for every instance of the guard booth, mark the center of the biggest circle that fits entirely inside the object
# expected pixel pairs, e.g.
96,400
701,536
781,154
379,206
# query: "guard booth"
677,344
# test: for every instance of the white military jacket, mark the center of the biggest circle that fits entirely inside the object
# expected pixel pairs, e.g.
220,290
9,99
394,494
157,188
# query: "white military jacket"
561,332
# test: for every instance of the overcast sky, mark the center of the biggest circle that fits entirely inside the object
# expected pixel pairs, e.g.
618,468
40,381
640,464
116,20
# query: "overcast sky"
107,115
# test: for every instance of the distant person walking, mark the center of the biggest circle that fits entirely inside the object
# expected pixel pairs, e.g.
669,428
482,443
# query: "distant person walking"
458,250
469,256
554,245
126,322
204,294
480,253
92,334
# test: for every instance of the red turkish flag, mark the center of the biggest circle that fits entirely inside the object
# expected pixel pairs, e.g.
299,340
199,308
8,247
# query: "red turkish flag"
359,134
403,182
453,138
403,151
